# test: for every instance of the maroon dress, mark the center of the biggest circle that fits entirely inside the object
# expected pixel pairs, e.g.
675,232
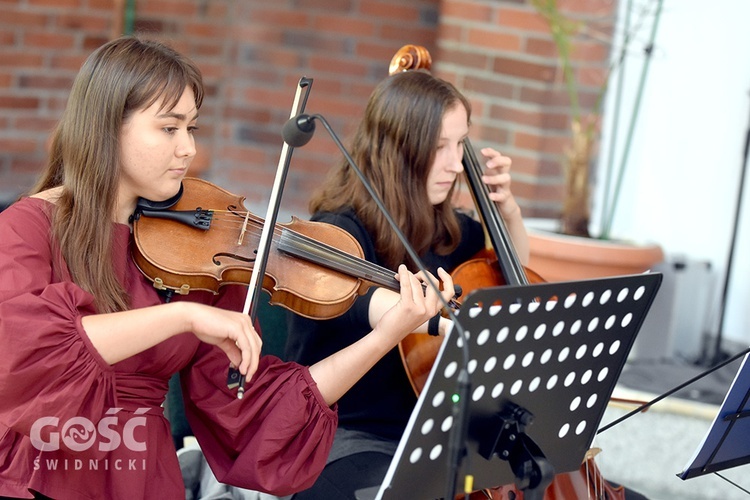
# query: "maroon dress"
73,426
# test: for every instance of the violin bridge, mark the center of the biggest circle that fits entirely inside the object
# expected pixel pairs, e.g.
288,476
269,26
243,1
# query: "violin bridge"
244,228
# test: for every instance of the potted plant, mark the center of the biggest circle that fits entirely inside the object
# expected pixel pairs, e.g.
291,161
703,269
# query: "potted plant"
572,252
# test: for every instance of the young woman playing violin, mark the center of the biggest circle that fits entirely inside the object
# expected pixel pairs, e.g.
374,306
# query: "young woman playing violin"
410,146
88,344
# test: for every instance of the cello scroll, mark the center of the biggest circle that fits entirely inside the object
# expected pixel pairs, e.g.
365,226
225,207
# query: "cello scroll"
410,57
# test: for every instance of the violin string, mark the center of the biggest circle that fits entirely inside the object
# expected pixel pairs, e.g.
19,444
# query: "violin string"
387,277
355,266
230,218
353,262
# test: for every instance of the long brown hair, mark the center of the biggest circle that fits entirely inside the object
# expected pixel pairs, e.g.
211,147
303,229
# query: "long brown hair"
395,145
121,77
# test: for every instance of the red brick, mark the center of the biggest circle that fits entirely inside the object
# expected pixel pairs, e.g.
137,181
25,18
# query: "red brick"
66,62
463,58
329,105
216,10
390,11
36,123
384,51
344,67
257,34
589,51
543,47
594,8
20,59
207,29
48,40
496,137
93,41
27,168
530,117
344,25
84,21
7,38
592,77
415,35
493,39
243,153
279,18
246,114
525,20
23,19
282,56
106,5
325,5
57,4
450,33
18,102
17,145
542,144
524,165
486,86
210,48
265,96
467,11
45,82
166,8
524,69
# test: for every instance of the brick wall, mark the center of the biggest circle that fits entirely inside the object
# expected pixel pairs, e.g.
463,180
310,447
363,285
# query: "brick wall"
254,52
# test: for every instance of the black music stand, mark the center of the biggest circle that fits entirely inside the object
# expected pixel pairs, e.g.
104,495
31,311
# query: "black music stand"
727,443
544,360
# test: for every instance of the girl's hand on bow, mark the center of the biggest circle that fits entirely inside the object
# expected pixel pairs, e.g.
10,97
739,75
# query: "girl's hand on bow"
232,332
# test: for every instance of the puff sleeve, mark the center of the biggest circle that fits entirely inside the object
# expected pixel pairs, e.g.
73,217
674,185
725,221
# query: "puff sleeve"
276,439
49,365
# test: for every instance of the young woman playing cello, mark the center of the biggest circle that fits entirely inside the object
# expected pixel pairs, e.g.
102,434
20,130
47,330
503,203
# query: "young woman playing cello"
410,146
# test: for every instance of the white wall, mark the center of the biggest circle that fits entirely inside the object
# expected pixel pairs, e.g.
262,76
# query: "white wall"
681,183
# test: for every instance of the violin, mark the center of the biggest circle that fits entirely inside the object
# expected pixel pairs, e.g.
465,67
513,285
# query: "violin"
494,266
207,239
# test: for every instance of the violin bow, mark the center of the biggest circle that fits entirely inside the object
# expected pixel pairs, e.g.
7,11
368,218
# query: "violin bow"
259,268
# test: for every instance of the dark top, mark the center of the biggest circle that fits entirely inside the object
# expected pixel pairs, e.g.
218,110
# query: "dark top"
382,401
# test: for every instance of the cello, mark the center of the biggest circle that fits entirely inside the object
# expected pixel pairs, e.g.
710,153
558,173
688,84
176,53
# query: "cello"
498,265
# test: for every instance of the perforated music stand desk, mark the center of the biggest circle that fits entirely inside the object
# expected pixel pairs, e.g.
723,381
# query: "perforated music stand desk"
554,350
727,443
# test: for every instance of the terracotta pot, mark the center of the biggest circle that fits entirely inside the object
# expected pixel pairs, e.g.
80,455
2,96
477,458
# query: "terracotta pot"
558,257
